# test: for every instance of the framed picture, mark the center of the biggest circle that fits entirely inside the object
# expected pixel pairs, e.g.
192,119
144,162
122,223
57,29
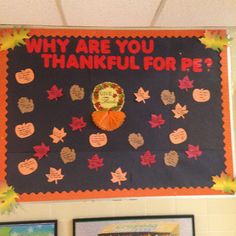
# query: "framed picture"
173,225
29,228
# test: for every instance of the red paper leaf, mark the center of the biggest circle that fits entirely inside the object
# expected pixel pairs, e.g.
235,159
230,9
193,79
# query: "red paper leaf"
193,151
95,162
54,93
78,123
156,121
41,150
185,83
147,159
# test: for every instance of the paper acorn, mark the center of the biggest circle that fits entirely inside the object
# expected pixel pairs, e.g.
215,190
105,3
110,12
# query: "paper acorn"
108,100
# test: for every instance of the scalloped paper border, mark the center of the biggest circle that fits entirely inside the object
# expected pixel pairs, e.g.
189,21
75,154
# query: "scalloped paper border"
124,192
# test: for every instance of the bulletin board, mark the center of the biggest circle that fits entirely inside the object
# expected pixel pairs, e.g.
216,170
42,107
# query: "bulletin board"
88,113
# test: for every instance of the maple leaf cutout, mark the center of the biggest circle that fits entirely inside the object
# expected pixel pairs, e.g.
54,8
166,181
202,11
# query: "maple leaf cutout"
95,162
141,95
15,38
118,176
148,159
54,93
180,111
224,183
54,175
41,150
8,198
185,83
193,151
156,121
57,135
215,41
78,123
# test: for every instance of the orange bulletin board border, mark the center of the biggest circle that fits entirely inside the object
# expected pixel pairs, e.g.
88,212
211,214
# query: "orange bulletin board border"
124,192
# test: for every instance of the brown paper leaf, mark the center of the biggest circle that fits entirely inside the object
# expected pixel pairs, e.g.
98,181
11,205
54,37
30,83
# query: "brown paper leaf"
76,92
118,176
167,97
136,140
180,111
54,175
25,105
57,135
171,158
68,155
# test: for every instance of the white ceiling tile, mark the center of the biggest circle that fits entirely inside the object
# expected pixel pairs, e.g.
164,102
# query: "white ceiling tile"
32,12
109,12
176,13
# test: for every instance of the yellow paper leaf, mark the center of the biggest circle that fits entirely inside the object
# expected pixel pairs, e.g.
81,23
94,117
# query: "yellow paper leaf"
8,199
224,183
54,175
141,95
180,111
118,176
215,41
57,135
16,38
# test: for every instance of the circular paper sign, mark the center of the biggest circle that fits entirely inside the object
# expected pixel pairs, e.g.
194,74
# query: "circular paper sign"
108,96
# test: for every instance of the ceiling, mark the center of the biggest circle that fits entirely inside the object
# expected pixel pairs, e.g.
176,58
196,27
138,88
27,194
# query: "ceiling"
133,13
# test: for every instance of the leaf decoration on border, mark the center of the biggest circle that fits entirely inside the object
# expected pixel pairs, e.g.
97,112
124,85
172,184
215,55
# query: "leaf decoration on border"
14,38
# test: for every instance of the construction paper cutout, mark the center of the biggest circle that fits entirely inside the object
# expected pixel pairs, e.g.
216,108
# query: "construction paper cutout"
142,95
25,105
185,83
15,38
98,140
167,97
193,151
77,123
224,183
108,96
95,162
76,92
25,76
171,158
136,140
8,198
156,121
108,120
57,135
148,159
54,175
24,130
215,40
28,166
67,155
178,136
118,176
54,93
180,111
41,150
201,95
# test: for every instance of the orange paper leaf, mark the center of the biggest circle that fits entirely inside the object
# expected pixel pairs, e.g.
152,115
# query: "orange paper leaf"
57,135
54,175
180,111
118,176
141,95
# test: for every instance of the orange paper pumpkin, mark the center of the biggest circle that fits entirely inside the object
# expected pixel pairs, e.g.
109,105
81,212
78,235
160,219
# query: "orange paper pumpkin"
24,130
201,95
25,76
98,140
108,120
27,167
178,136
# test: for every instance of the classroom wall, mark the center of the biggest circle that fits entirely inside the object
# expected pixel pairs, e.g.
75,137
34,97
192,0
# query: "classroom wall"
214,216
